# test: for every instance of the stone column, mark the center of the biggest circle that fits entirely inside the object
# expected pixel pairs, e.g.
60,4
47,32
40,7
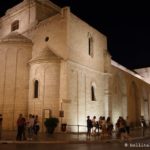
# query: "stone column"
106,103
107,110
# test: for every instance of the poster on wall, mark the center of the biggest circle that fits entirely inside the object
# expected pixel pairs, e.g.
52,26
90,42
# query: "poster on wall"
47,113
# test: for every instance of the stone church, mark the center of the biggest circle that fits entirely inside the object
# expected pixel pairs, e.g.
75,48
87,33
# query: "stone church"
54,64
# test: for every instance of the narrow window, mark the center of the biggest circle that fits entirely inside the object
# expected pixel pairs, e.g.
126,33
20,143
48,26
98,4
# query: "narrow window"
93,93
15,25
90,46
46,39
36,88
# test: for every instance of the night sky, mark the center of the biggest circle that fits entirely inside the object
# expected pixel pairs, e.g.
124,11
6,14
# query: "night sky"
126,25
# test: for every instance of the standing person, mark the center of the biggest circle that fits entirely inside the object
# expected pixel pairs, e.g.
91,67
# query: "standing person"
100,122
127,125
103,126
143,125
94,125
20,127
24,128
117,126
30,124
89,126
109,126
36,125
142,121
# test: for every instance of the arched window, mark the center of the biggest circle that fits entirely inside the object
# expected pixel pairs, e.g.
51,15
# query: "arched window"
93,98
36,88
15,25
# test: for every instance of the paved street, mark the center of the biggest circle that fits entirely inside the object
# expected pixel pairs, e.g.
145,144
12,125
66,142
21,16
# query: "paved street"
143,144
10,136
70,141
105,146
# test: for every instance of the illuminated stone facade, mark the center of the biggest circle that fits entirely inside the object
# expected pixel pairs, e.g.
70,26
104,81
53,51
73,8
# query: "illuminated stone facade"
50,60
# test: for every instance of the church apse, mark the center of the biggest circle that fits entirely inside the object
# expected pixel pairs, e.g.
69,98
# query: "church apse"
45,68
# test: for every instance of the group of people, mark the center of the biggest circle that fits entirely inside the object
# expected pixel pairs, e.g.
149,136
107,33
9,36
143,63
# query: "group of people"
104,127
101,126
31,124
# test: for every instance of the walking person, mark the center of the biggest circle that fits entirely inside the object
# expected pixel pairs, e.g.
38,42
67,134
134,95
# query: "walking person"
122,129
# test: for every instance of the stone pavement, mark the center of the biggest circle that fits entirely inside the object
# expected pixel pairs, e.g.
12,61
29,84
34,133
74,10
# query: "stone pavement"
64,137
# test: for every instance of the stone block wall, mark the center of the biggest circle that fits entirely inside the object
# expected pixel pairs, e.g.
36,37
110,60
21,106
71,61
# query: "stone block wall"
14,76
79,33
79,103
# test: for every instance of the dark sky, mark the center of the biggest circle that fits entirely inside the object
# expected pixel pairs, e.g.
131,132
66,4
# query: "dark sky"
126,25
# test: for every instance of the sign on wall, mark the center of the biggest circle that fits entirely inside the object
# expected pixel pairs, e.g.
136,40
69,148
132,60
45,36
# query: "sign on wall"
47,113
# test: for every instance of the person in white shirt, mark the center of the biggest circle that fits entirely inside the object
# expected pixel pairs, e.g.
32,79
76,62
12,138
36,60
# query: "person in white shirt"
30,124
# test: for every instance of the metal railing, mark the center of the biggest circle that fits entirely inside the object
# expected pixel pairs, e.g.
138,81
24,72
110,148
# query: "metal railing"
77,130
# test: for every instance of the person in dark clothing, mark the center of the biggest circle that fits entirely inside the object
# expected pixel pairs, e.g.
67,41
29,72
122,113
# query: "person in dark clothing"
127,125
36,125
20,127
24,128
109,126
89,126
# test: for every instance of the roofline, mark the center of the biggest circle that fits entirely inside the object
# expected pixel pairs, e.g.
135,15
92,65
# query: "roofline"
117,65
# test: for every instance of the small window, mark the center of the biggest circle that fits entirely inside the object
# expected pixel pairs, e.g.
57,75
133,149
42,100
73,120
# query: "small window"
36,88
15,25
93,93
90,45
46,39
